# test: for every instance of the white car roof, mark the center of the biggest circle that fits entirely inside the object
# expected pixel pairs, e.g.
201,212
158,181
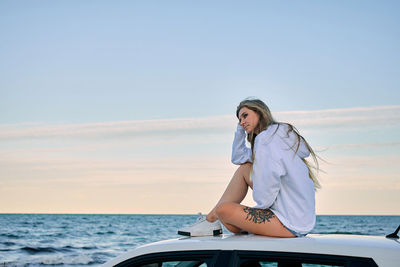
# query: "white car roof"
384,251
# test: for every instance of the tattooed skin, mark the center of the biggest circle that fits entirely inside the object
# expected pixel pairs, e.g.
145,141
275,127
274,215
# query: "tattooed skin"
258,215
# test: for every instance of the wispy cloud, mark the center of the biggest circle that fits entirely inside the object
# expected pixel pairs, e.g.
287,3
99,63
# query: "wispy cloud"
384,115
365,145
115,129
355,117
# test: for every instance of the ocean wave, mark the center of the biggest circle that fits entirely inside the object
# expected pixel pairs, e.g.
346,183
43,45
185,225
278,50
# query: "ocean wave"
38,250
54,260
79,248
8,243
55,235
10,236
69,260
106,233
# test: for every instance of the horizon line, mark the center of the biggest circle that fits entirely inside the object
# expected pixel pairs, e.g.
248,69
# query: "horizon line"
166,214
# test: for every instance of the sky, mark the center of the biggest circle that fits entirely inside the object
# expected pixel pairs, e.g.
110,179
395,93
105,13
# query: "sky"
129,106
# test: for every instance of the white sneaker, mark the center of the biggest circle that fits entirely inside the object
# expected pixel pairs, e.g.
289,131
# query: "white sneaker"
202,227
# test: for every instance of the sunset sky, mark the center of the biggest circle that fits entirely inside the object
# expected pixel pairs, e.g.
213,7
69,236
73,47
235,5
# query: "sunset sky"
129,106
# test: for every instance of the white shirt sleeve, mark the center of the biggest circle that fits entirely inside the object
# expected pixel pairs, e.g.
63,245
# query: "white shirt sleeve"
240,152
266,175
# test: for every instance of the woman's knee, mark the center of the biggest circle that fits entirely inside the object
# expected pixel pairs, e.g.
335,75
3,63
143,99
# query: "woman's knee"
245,167
223,210
245,170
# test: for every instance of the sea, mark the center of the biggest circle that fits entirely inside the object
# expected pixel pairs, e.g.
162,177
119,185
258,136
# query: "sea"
90,240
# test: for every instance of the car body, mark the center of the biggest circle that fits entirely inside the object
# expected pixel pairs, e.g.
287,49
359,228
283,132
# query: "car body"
255,250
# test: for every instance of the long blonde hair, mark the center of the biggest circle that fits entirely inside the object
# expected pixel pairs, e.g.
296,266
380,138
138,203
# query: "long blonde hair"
265,120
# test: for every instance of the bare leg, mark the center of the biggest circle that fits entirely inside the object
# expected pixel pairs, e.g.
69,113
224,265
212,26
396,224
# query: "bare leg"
236,190
237,218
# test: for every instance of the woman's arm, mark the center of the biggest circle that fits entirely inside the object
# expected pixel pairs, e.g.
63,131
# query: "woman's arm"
240,152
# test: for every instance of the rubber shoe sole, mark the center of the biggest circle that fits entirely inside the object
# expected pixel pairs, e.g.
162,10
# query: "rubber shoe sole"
215,233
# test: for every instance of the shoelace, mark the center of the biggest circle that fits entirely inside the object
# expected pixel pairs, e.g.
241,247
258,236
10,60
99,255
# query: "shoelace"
200,217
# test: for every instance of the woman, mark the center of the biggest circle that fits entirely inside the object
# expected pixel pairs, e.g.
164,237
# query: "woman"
275,168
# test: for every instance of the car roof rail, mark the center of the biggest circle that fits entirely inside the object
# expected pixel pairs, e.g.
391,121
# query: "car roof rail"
394,234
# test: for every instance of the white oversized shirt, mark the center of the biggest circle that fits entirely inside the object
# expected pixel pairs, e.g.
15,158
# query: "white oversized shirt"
280,178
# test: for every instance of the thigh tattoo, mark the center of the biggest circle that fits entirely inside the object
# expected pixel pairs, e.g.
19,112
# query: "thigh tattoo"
258,215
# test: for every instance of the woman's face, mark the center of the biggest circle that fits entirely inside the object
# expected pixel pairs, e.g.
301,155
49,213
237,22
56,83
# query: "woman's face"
248,119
